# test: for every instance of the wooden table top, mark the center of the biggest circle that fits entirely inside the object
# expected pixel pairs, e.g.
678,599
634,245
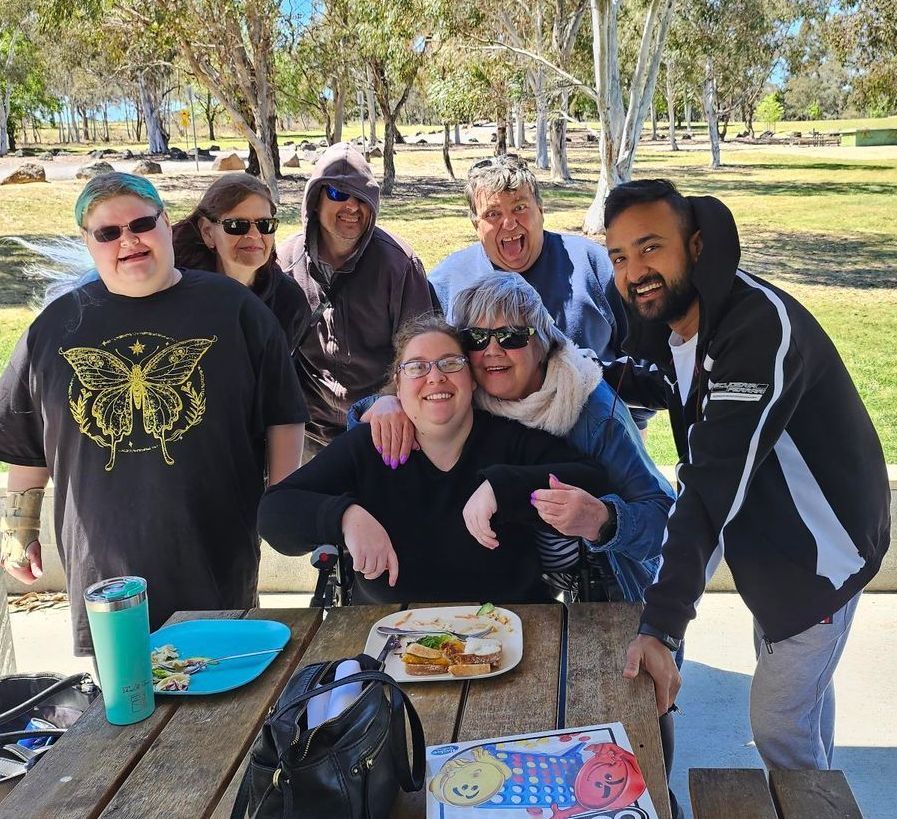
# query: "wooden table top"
187,758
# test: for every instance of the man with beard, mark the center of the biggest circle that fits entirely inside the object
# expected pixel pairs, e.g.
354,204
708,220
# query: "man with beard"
781,471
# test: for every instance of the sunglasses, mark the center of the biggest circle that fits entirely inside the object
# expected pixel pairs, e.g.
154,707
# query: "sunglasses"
505,160
240,227
508,338
109,233
446,364
335,194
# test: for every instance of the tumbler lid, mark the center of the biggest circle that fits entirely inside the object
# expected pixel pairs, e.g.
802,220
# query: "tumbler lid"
115,593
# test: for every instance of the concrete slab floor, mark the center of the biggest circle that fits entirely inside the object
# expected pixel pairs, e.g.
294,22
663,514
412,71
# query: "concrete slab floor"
713,728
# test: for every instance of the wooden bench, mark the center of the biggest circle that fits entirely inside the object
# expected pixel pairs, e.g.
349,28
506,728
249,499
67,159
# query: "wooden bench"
743,793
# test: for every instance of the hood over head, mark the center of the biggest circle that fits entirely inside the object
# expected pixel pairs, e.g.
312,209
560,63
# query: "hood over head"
343,167
713,276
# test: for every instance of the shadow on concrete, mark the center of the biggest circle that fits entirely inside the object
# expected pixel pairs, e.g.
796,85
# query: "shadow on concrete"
713,731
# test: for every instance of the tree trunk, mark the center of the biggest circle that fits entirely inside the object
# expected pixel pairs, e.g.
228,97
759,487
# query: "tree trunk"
457,133
396,134
372,114
653,122
389,151
521,125
501,131
149,102
105,122
709,100
445,150
339,111
560,170
4,120
85,123
688,115
509,130
671,105
542,161
621,128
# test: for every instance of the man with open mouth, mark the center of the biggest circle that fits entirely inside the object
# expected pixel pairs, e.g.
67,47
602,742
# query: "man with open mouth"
571,274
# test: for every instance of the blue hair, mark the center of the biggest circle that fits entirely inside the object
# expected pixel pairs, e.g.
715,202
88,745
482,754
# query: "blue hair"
108,186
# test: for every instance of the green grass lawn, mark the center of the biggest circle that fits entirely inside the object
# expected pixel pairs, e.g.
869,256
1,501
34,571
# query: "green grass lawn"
819,223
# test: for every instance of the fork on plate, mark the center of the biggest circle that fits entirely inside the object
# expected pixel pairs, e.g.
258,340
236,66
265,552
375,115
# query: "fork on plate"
405,632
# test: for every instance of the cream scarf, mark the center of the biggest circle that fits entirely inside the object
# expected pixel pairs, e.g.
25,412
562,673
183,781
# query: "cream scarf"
570,379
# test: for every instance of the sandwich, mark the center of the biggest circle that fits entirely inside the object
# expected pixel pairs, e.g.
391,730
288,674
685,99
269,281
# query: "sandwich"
442,653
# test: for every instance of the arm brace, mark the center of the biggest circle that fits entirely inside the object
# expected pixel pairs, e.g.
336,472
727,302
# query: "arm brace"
19,525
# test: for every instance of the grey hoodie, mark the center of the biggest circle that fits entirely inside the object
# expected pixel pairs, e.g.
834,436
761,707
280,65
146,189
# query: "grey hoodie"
346,354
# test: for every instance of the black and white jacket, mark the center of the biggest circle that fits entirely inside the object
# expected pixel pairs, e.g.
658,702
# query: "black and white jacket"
781,471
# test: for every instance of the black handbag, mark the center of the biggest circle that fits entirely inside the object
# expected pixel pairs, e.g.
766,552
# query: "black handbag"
349,767
50,701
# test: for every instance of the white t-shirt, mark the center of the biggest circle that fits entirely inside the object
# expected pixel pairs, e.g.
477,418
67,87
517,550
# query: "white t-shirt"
684,362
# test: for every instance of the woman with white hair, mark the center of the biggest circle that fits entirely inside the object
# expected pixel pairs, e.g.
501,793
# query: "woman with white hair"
528,370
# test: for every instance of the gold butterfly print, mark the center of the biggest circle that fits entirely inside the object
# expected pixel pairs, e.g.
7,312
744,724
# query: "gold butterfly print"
118,387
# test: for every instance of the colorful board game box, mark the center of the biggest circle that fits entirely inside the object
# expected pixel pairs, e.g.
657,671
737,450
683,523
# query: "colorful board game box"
574,772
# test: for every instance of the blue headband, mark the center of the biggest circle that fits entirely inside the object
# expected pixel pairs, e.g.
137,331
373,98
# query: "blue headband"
108,185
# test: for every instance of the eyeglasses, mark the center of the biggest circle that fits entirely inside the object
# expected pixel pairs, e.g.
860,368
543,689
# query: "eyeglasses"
335,194
509,338
240,227
109,233
446,364
499,161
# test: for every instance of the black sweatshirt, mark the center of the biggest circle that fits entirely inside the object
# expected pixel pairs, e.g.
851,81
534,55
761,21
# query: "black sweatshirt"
781,471
420,507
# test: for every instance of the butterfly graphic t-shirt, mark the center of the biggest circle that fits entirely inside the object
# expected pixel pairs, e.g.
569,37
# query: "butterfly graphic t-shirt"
150,414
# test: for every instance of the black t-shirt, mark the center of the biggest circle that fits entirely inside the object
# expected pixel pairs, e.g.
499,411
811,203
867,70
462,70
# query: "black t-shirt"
150,414
420,508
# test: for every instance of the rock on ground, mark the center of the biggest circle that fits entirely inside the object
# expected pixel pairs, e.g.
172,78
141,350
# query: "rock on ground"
26,172
228,162
92,169
146,167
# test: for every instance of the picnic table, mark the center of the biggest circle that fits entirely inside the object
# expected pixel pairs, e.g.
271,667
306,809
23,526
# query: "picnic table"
186,760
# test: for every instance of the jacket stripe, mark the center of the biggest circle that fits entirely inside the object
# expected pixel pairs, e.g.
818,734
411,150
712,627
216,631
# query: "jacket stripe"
778,381
837,557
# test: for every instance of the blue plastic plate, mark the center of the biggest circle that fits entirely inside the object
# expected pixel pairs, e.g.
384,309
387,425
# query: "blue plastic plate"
221,638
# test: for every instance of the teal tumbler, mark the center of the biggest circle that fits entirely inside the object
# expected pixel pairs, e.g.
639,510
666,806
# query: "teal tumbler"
119,626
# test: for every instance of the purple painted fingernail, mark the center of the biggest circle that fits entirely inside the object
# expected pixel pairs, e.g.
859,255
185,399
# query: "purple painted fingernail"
394,463
403,459
386,460
379,449
532,500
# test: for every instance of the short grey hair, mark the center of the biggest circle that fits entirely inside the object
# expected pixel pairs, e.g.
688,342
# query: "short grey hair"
512,298
498,174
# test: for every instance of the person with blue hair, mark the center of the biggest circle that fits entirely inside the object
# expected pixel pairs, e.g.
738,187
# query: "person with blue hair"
157,399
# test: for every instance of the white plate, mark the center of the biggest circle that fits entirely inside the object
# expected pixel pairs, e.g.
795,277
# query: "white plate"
450,618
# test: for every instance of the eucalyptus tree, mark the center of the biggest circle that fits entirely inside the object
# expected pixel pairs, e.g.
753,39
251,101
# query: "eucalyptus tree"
864,35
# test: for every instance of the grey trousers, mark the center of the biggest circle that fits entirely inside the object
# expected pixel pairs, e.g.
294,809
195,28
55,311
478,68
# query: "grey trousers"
793,697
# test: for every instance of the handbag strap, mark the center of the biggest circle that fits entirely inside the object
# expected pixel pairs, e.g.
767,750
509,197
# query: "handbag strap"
37,699
328,295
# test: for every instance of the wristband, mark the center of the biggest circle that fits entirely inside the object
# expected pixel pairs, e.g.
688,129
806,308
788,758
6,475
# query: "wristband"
672,643
19,526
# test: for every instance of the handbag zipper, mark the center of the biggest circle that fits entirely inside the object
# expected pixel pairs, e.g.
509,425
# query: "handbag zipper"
367,762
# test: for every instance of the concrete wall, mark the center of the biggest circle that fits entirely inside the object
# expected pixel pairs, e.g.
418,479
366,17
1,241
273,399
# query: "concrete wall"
279,573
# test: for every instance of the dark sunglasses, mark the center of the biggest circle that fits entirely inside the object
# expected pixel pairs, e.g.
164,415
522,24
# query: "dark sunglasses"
509,338
109,233
240,227
503,160
335,194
